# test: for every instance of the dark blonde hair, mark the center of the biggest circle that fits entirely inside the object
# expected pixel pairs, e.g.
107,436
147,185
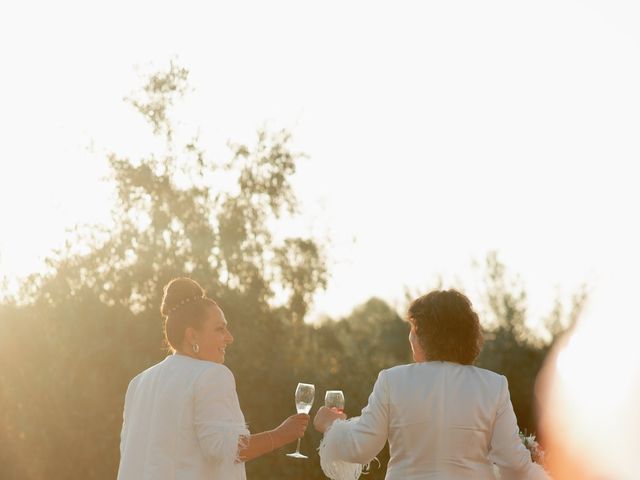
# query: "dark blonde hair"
184,304
448,328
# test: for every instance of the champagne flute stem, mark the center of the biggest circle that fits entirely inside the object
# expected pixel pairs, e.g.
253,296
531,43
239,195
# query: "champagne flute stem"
298,448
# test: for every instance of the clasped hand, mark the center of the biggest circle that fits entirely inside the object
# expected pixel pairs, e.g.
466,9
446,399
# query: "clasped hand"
325,417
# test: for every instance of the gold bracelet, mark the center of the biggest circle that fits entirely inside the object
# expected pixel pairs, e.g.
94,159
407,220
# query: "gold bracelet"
271,438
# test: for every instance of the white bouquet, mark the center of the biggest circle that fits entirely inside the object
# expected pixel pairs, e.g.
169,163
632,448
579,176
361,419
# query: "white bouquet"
531,444
537,454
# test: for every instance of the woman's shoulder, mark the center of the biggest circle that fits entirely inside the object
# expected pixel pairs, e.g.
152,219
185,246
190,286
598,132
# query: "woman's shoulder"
420,368
149,371
488,373
194,367
210,372
400,371
199,374
190,368
487,380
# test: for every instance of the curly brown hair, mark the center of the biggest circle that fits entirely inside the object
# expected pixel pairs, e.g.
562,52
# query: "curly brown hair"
448,328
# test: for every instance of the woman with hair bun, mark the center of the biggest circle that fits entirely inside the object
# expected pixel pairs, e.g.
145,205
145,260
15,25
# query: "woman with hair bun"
182,419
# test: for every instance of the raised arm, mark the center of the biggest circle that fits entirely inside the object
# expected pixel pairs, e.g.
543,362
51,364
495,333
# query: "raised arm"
222,437
260,443
347,444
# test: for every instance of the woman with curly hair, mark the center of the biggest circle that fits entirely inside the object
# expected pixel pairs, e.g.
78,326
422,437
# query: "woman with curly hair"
443,417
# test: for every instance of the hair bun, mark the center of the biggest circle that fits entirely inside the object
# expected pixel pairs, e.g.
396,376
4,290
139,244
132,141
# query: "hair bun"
179,291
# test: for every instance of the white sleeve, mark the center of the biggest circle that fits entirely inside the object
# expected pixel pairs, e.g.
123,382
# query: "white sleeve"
125,415
217,412
348,444
507,450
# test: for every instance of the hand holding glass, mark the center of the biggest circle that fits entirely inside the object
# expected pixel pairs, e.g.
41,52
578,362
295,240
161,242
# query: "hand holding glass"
304,399
334,399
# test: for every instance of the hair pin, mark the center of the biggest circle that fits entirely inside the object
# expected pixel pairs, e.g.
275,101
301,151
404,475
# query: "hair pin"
184,302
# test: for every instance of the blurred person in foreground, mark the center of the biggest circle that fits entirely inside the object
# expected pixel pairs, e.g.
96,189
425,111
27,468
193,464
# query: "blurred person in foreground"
588,397
443,417
182,418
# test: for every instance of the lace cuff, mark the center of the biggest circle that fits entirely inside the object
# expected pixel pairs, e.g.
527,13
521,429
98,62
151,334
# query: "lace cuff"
224,441
330,449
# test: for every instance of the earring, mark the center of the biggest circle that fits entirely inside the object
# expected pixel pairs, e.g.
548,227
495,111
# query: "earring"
196,348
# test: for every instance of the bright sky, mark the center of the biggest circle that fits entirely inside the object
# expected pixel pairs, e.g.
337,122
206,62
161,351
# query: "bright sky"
437,131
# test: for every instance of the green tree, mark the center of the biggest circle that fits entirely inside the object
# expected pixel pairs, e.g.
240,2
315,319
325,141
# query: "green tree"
92,322
76,334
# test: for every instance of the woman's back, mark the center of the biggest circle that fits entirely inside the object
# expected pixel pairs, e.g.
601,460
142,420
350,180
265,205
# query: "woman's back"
444,418
441,419
172,413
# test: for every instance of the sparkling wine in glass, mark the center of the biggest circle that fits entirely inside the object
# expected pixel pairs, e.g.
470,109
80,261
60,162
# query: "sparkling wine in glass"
304,399
334,399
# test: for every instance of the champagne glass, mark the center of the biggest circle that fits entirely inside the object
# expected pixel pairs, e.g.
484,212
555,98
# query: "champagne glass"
304,400
334,399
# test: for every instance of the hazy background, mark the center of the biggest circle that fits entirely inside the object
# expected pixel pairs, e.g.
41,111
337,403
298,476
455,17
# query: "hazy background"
485,145
435,132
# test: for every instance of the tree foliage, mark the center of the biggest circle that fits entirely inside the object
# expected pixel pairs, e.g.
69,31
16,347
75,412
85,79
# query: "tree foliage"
76,335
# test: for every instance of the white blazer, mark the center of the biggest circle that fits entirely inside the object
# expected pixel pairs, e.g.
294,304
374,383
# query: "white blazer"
182,421
443,421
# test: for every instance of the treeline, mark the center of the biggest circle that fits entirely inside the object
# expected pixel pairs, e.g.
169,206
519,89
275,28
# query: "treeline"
76,334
